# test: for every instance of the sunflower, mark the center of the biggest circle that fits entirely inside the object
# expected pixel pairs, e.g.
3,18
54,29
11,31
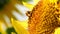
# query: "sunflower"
45,17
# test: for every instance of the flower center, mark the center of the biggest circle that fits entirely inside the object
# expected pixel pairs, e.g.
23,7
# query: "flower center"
3,3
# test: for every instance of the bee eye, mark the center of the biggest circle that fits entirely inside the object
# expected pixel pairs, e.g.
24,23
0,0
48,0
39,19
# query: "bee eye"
28,13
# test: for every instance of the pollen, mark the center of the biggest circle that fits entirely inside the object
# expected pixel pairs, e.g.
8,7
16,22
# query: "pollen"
44,17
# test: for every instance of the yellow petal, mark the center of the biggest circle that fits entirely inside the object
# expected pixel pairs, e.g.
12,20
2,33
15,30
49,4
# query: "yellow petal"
1,28
30,6
36,1
23,23
18,27
57,31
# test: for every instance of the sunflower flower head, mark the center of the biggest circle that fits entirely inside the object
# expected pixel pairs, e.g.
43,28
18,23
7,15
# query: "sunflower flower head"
45,17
